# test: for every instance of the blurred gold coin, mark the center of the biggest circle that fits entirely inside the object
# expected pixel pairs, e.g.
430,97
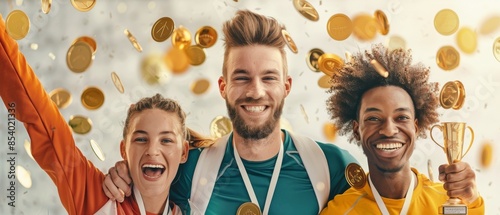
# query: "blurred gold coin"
80,124
79,56
88,40
449,95
83,5
490,25
447,58
61,97
289,41
364,27
330,63
461,95
117,82
181,37
206,36
486,154
330,131
92,98
306,9
467,40
17,24
154,70
383,23
339,26
379,68
446,22
395,42
97,150
196,55
200,86
429,169
355,175
162,29
23,176
46,4
496,48
220,126
132,39
177,60
312,59
324,82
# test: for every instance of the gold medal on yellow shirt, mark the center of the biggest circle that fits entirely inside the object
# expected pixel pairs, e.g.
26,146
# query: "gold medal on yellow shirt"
355,175
248,208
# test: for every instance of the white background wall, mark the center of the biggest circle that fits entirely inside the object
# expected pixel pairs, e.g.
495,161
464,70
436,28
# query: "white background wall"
412,20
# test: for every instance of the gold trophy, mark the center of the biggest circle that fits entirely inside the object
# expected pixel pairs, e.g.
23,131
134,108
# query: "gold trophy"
453,135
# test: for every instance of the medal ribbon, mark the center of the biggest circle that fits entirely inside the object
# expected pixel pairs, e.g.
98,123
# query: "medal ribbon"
272,184
380,202
140,203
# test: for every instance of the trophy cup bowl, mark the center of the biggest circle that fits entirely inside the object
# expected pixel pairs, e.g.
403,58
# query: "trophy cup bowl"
453,135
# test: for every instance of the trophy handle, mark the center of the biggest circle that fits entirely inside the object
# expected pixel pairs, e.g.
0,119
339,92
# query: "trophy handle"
471,140
440,128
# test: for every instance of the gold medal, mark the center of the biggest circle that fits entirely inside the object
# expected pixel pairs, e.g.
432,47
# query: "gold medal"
132,39
162,29
306,9
467,40
496,49
248,208
117,82
92,98
449,95
330,64
97,150
46,4
355,175
289,41
446,22
383,23
206,37
447,58
83,5
364,27
339,26
80,124
196,55
330,131
17,24
220,126
61,97
312,59
79,56
181,37
89,40
200,86
461,95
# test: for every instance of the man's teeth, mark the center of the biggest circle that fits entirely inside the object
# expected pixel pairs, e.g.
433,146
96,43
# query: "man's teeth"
389,146
157,166
255,108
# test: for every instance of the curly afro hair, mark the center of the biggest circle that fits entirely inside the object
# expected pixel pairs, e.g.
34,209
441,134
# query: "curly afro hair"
358,76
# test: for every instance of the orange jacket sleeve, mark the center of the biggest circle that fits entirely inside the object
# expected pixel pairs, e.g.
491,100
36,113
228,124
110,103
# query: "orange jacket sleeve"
79,183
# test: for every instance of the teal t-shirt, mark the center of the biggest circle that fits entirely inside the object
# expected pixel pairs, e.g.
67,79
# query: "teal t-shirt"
294,193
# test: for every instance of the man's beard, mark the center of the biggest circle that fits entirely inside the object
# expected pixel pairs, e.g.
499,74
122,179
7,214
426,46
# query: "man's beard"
256,133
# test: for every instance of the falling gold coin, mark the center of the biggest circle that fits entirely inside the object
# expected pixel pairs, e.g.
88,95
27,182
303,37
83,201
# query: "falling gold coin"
97,150
27,147
364,27
446,22
61,97
220,126
496,49
17,24
467,40
447,58
330,63
324,82
330,131
339,26
355,175
486,154
181,37
132,39
162,29
395,42
196,55
289,41
117,82
83,5
88,40
206,37
312,59
449,95
23,176
383,23
200,86
177,60
46,4
379,68
80,124
490,25
429,169
92,98
154,70
306,9
79,57
461,96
